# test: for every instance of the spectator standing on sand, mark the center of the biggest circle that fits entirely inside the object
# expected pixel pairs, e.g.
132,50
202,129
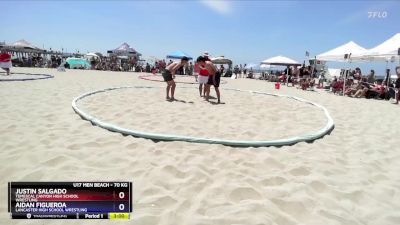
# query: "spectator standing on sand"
186,72
236,71
221,69
5,61
397,86
148,68
190,69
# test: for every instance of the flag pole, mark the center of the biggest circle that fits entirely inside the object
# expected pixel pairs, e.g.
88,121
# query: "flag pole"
346,72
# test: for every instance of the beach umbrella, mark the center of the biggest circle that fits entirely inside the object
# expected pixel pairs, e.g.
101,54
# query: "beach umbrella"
91,55
221,60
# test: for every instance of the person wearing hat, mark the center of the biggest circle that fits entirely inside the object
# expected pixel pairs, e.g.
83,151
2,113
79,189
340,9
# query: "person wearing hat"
169,75
203,78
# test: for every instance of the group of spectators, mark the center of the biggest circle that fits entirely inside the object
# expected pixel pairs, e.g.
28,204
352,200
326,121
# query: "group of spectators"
351,83
240,70
359,86
105,63
112,63
304,76
31,60
97,63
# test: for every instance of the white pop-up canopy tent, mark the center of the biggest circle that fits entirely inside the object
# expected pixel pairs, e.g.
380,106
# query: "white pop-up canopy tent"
337,54
280,61
386,51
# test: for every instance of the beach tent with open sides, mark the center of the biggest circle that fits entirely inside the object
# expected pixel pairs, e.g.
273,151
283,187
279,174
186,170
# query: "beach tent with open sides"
337,54
178,55
383,52
24,45
280,61
124,50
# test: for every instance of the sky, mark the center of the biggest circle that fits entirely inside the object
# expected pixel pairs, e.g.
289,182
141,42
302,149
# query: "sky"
242,30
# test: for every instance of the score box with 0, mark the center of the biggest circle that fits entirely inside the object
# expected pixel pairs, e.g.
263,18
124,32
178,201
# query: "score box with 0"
84,199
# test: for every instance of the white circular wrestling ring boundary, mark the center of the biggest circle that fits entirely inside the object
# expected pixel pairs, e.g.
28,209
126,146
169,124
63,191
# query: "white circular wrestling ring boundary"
39,77
309,137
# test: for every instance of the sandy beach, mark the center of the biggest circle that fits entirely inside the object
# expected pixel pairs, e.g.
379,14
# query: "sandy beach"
350,177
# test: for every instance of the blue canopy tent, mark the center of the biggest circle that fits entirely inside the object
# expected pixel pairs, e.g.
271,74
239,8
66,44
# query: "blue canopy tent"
178,55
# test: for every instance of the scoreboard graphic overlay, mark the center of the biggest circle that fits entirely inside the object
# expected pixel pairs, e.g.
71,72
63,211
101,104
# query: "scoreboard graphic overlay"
70,200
